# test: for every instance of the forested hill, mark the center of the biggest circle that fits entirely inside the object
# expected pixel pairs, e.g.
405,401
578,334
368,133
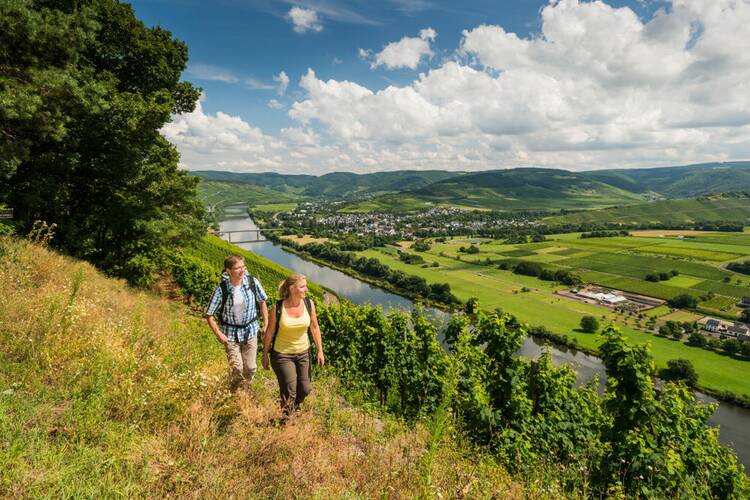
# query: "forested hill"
525,188
503,189
679,182
333,185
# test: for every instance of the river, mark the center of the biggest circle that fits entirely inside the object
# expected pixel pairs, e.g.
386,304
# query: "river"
732,420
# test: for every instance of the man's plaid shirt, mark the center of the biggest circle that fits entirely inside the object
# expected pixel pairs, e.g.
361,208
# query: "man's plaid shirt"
238,333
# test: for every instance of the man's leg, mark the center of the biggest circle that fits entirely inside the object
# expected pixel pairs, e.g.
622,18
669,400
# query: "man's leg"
249,351
234,358
286,373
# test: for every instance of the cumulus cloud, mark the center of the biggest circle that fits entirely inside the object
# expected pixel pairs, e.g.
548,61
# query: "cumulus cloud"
304,19
274,104
598,87
406,53
283,82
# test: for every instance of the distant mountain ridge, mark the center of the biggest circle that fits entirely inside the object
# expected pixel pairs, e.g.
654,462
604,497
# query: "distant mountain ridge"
685,181
336,184
504,189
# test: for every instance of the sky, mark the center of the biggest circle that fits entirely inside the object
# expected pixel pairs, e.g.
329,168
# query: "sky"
373,85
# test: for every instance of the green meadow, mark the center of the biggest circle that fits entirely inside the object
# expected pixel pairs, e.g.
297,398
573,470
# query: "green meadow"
620,263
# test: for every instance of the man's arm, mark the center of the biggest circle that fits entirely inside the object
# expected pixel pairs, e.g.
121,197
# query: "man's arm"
213,307
215,328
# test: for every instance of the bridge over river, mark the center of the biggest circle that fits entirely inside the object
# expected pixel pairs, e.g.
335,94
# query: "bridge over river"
249,235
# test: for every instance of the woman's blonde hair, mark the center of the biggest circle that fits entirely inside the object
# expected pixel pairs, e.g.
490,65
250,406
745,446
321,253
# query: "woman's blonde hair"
286,285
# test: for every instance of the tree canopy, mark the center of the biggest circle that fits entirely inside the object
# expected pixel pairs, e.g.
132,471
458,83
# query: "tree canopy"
85,88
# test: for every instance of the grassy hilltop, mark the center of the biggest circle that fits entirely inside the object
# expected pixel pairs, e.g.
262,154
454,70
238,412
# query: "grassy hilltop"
108,391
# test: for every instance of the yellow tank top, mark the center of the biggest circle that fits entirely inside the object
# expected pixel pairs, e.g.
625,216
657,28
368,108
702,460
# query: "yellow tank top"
292,335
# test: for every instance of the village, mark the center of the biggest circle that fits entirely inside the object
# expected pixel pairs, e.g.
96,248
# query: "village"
437,221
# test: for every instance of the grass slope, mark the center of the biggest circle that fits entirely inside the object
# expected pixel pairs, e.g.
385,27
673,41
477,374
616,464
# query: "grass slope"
716,208
110,392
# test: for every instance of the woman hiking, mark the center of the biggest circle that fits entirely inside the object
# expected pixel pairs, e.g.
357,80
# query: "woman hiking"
287,344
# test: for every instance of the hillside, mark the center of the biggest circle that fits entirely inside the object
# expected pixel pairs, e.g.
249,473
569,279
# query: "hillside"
513,189
107,391
336,184
220,194
679,182
715,208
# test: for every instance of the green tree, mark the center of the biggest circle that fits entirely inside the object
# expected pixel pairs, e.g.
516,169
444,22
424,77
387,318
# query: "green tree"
731,346
683,301
680,369
745,315
85,88
696,339
589,324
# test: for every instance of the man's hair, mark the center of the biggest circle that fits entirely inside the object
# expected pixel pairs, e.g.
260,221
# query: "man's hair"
232,260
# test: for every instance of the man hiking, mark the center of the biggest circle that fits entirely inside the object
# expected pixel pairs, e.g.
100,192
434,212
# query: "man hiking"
238,303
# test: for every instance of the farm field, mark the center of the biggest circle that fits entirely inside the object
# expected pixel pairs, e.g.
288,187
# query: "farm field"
533,301
704,209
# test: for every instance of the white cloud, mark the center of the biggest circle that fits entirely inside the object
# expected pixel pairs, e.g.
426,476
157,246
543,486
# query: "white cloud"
304,19
274,104
283,80
406,53
209,72
598,88
336,60
255,84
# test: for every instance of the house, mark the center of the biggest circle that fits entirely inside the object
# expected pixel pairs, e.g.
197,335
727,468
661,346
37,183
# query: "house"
745,302
737,330
712,325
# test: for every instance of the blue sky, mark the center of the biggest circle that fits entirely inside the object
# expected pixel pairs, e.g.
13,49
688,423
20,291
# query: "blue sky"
366,86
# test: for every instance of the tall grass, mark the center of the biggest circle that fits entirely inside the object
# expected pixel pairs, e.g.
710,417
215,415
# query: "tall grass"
110,392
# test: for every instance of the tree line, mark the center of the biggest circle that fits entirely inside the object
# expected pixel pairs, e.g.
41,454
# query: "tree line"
85,88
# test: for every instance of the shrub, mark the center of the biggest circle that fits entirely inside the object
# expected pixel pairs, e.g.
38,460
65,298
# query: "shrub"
696,339
589,324
680,369
683,301
528,269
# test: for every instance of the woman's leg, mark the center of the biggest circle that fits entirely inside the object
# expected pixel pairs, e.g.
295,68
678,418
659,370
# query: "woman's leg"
286,373
303,383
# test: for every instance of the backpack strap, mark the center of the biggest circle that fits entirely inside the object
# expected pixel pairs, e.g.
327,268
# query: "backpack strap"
225,296
279,305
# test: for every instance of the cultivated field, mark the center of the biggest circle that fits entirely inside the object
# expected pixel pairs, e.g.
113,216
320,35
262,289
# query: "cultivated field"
621,263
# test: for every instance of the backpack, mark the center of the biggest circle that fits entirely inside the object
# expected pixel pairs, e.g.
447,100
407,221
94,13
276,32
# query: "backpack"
279,306
225,295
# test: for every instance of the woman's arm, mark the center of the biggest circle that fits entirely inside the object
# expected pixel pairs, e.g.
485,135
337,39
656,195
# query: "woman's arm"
268,336
317,337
